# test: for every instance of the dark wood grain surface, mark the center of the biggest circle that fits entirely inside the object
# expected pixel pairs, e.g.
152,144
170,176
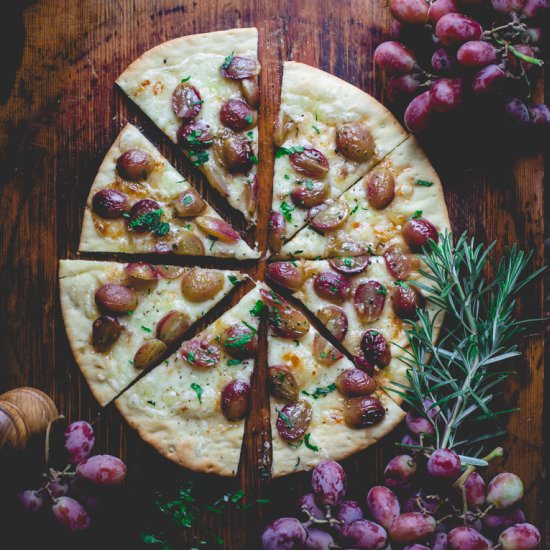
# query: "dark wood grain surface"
59,112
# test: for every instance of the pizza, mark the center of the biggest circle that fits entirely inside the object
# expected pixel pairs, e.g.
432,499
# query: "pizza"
329,134
139,203
399,203
202,92
322,405
192,409
364,305
354,202
122,319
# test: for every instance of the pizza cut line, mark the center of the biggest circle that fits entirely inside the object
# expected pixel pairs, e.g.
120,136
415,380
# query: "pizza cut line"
354,200
139,203
202,91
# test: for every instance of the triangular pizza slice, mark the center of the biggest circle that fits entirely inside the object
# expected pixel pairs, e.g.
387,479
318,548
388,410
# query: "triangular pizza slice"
139,203
399,202
193,408
329,134
364,303
124,318
322,405
202,92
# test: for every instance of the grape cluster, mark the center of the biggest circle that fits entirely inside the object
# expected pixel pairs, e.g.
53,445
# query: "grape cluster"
464,49
70,492
426,502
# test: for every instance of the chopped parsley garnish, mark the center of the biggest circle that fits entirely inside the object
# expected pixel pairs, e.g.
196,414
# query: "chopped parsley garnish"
286,176
348,262
233,280
315,129
146,329
297,463
241,341
198,157
308,443
198,390
282,151
320,391
286,211
248,119
424,183
187,200
190,357
309,185
250,134
152,403
382,290
256,311
254,159
354,209
298,252
151,222
233,362
227,61
416,215
186,78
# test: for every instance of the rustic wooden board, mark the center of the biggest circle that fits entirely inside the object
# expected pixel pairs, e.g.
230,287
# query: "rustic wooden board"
59,113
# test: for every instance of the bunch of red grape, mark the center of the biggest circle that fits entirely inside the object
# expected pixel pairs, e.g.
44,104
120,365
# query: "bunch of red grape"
70,492
425,503
464,49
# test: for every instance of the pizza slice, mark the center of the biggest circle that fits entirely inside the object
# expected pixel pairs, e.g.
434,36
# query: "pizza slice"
140,203
124,318
399,203
329,134
322,405
363,302
202,92
193,408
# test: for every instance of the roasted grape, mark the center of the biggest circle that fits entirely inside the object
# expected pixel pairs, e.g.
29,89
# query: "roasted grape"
116,299
362,412
355,383
399,263
189,204
406,300
235,400
375,348
379,187
189,244
109,203
310,162
140,213
149,353
200,352
194,135
282,383
310,194
106,330
288,274
355,142
172,327
335,320
333,217
293,420
240,341
135,164
199,284
237,115
186,101
285,321
369,300
350,266
235,152
276,230
239,67
324,352
332,285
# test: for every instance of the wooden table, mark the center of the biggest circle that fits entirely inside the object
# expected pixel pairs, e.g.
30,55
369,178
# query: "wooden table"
59,114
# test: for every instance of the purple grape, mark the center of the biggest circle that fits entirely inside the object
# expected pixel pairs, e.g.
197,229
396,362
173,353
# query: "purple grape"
328,481
540,115
412,527
488,80
399,471
383,505
365,535
102,470
535,8
307,504
444,463
439,8
410,12
71,514
58,487
507,6
394,58
476,54
467,538
522,536
348,512
79,441
416,547
439,541
408,439
443,61
418,424
454,29
498,521
446,94
418,113
31,500
400,88
284,534
517,112
504,490
318,539
474,489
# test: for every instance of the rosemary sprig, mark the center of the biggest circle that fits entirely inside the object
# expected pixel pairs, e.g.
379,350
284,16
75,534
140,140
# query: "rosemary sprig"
453,383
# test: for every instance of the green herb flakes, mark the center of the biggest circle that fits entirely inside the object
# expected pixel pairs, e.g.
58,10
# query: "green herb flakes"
282,151
227,61
320,391
424,183
286,211
197,388
233,280
309,445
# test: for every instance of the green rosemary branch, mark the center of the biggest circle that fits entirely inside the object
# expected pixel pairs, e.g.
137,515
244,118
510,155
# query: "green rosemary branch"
453,383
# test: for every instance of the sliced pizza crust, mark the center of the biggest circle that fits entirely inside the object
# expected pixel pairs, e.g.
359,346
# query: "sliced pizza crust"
315,365
196,60
172,229
177,406
418,193
112,368
315,106
330,310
